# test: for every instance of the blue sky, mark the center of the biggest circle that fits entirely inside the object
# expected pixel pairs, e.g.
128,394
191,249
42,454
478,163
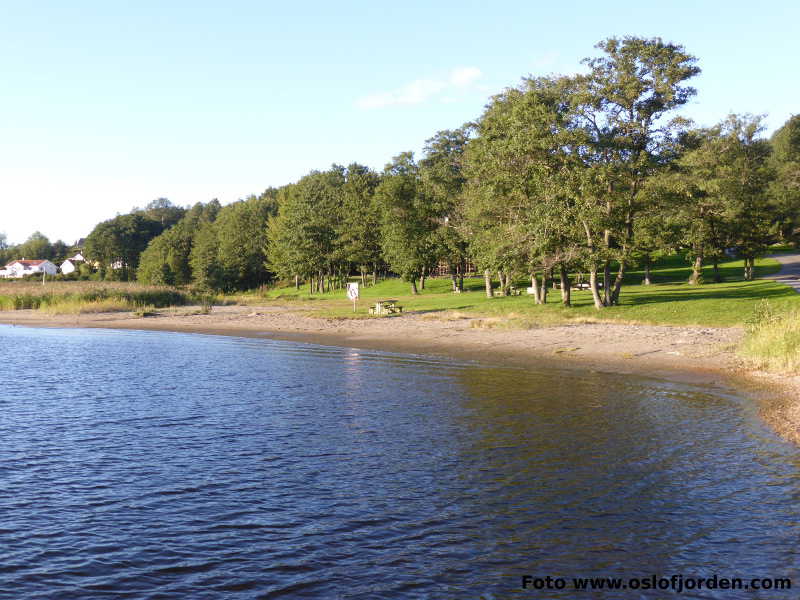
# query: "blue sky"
108,105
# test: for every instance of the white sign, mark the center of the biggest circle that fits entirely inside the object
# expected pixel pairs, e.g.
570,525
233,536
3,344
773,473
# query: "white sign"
352,291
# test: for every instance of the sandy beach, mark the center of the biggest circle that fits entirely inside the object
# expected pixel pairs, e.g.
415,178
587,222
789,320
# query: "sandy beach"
700,355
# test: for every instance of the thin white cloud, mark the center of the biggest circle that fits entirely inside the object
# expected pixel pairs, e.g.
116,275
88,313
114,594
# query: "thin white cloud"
422,90
464,76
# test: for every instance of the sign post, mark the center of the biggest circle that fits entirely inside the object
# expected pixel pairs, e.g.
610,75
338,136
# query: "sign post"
352,293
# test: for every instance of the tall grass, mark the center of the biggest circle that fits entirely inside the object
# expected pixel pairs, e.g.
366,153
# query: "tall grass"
84,297
772,339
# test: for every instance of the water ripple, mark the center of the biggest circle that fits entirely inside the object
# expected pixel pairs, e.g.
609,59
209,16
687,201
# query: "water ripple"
152,465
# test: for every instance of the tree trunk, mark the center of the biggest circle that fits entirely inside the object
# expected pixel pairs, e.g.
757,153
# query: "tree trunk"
598,301
505,283
414,289
422,279
487,281
374,276
646,270
297,282
543,288
749,263
607,283
535,285
697,270
717,276
618,283
565,289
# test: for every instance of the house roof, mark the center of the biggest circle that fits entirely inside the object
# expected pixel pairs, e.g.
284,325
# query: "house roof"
27,263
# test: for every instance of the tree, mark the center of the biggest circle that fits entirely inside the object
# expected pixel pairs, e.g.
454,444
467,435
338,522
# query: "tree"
162,211
626,98
444,179
36,247
241,234
166,261
720,185
523,169
203,258
785,188
303,239
407,224
744,177
358,227
59,251
117,243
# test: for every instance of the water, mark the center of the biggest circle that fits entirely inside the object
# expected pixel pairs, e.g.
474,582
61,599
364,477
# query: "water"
160,465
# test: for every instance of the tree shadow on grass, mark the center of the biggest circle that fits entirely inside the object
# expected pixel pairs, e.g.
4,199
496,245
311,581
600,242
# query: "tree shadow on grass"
744,291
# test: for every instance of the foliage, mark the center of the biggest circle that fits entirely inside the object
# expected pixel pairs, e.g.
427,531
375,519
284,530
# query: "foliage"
407,225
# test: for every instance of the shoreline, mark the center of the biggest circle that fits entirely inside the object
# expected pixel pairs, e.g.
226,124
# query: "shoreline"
694,355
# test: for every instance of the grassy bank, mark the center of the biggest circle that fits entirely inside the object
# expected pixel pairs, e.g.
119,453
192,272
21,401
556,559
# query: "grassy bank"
772,341
668,300
77,297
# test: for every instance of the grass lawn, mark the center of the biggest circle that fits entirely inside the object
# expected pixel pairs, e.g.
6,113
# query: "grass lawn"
669,300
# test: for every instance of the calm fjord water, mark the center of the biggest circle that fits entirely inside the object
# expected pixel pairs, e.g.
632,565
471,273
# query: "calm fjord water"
161,465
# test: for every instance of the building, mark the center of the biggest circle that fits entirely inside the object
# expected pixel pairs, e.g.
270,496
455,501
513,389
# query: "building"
71,264
20,268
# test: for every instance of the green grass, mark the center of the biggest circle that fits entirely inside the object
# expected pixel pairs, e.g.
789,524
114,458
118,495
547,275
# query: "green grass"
669,300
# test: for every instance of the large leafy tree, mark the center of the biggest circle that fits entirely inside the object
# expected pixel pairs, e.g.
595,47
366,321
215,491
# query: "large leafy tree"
720,186
358,225
524,167
166,260
785,188
444,178
626,102
744,176
37,246
162,211
407,220
241,233
117,243
302,240
204,258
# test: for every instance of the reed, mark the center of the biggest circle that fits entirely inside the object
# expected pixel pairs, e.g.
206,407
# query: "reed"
772,339
83,297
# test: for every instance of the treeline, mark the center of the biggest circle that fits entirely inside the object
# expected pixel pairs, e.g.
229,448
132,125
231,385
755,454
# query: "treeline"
37,246
583,175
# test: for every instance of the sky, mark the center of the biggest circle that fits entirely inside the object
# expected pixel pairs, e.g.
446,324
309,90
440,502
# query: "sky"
108,105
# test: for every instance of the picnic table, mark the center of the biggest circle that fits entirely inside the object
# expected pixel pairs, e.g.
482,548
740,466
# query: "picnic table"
385,307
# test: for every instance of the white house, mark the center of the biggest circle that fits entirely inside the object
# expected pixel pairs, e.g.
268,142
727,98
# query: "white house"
69,266
20,268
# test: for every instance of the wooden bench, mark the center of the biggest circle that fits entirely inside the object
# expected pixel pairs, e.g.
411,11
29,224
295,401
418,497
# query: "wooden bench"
385,307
